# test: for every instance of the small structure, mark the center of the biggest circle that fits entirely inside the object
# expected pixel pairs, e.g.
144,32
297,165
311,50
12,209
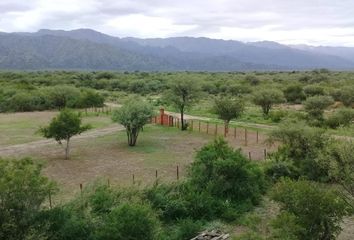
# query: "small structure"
164,119
213,235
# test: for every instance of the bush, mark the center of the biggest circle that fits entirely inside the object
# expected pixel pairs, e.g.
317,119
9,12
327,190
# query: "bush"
316,105
302,145
22,192
277,116
314,90
346,96
129,221
294,94
279,167
341,118
227,174
313,211
184,229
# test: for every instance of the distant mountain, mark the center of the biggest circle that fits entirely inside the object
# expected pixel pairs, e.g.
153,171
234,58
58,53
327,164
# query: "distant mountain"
86,49
343,52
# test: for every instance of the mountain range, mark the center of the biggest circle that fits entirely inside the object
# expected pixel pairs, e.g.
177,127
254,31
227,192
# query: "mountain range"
86,49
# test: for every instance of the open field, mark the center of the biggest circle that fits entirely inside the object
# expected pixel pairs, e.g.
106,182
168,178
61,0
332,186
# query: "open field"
102,154
18,128
103,151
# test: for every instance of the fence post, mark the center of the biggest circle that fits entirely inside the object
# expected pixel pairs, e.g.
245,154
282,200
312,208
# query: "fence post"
133,179
249,155
216,129
207,127
177,172
265,154
225,130
235,132
257,136
246,137
81,188
156,174
50,199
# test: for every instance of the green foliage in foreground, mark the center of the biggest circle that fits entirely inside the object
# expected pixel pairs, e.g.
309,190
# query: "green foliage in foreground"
22,191
308,211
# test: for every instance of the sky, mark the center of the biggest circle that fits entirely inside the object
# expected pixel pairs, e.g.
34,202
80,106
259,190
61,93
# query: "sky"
314,22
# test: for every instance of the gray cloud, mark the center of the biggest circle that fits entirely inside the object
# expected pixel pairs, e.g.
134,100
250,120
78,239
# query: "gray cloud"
301,21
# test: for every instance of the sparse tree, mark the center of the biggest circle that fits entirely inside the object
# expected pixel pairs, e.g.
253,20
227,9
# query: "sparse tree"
64,126
183,94
266,98
133,116
316,105
228,109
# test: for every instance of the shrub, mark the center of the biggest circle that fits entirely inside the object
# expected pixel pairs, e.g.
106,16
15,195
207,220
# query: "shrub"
279,167
267,98
316,105
346,96
294,94
22,192
227,174
301,145
129,221
313,90
343,117
277,116
313,211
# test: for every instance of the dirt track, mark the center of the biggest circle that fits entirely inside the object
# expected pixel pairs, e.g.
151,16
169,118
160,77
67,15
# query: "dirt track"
36,144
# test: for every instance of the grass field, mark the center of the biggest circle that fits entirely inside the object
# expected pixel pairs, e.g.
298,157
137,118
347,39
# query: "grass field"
107,156
18,128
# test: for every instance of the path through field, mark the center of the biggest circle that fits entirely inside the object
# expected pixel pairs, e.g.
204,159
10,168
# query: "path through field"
23,148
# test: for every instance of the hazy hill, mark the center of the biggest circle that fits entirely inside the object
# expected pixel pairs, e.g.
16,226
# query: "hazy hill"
89,49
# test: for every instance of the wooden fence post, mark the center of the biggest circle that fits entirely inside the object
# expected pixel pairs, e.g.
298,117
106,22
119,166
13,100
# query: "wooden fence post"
81,188
50,199
246,136
199,126
156,174
207,127
249,155
216,129
235,132
133,179
265,154
257,136
177,172
225,130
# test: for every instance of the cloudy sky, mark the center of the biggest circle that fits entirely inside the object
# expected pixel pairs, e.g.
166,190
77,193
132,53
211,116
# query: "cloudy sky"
316,22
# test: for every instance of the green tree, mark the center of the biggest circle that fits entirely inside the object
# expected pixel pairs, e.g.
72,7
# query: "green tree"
315,212
22,192
316,105
63,96
266,98
63,127
338,157
294,94
228,109
90,98
183,94
301,145
133,115
346,96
